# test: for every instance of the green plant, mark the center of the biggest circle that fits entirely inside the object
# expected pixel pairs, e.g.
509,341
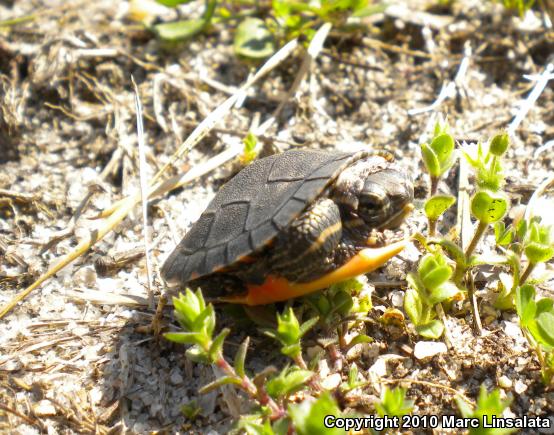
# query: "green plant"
428,287
272,392
489,405
275,393
393,403
446,270
289,332
520,6
488,206
184,29
260,30
197,321
537,321
527,239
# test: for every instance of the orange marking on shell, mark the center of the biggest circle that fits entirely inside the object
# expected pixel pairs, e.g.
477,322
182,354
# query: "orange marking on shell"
276,289
246,259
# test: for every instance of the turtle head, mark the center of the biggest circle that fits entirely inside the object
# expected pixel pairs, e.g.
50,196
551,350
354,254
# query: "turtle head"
386,198
375,194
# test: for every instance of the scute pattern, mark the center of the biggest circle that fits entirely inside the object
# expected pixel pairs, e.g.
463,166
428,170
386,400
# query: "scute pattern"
251,209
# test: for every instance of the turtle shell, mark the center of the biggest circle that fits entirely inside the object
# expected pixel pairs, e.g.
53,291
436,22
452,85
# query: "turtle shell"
252,208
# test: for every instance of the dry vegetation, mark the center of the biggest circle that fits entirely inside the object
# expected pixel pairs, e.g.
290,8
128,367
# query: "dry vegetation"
72,357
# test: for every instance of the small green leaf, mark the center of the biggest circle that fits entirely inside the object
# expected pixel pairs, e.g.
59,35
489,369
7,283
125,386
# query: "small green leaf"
521,229
240,357
307,325
487,405
197,354
204,321
187,308
455,252
323,304
433,329
499,144
525,304
191,410
308,416
443,292
502,235
288,328
224,380
413,305
361,338
253,40
177,31
280,427
172,3
545,325
428,263
437,277
430,160
545,305
393,403
287,382
249,151
437,205
291,350
342,303
443,146
216,349
489,207
441,127
538,252
184,337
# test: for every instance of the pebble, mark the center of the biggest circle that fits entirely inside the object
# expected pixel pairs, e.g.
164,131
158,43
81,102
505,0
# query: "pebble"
176,378
428,349
332,381
520,387
505,382
44,408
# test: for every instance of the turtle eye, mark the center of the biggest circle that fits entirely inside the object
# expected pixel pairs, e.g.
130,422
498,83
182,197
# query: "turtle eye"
373,205
371,201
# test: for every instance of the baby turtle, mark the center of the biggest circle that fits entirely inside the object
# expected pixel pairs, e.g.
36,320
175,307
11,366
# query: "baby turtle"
293,223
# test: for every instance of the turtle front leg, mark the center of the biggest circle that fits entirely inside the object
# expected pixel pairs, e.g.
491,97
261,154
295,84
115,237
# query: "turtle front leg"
306,249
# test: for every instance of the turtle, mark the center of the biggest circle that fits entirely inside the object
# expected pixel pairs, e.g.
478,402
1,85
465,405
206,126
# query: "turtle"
293,223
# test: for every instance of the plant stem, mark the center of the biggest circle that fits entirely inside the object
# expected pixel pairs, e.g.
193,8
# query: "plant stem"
527,272
314,380
447,337
474,307
481,227
432,227
434,185
250,388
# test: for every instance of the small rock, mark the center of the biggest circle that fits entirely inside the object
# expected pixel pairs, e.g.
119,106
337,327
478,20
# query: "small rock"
520,387
512,330
176,378
85,276
332,381
397,298
323,368
428,349
505,382
313,351
44,408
